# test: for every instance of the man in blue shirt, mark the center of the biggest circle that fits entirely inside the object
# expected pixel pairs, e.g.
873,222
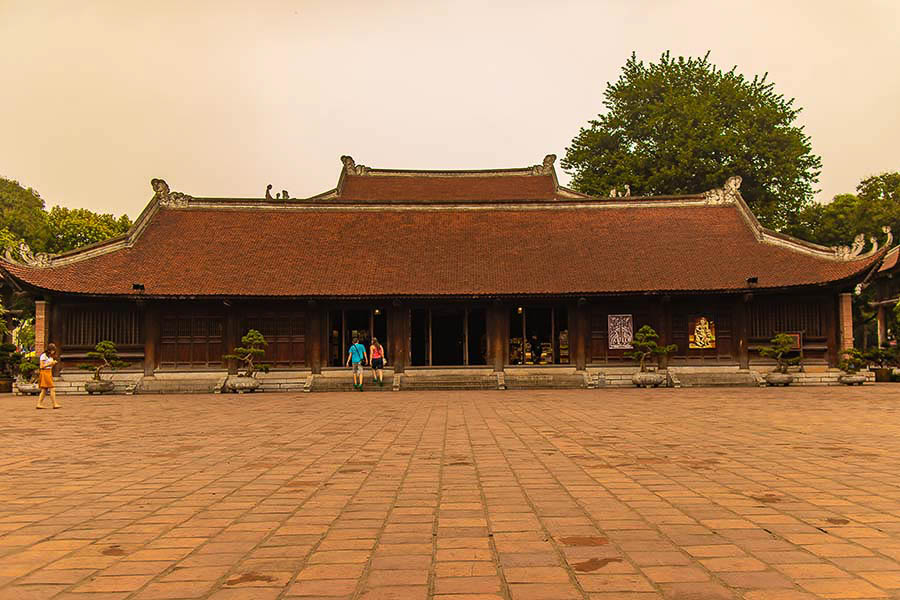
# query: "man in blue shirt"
357,356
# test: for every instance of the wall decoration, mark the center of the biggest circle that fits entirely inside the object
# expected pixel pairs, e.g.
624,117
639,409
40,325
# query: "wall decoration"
621,331
702,333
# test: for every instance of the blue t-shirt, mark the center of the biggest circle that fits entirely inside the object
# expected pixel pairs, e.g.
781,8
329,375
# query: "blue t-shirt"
357,351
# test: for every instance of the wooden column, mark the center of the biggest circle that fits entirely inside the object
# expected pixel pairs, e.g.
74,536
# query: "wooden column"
742,329
398,336
845,313
497,335
151,338
663,316
313,337
232,335
830,307
54,332
882,326
583,334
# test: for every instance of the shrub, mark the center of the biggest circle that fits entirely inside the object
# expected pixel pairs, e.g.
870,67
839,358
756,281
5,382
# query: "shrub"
782,346
853,361
252,348
645,345
107,356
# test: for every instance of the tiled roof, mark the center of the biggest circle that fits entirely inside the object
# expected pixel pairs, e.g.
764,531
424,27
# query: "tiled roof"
566,247
389,188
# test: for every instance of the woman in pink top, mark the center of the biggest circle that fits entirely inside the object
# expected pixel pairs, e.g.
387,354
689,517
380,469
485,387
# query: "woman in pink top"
376,352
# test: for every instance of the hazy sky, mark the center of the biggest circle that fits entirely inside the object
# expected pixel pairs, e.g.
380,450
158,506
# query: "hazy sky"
221,98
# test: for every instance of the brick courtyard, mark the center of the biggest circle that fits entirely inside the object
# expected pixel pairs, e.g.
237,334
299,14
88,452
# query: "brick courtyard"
624,494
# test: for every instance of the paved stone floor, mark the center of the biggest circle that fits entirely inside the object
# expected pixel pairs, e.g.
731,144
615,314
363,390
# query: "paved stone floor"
602,494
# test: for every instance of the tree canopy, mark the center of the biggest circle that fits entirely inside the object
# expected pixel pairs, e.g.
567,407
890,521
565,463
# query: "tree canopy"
875,204
684,126
23,218
75,227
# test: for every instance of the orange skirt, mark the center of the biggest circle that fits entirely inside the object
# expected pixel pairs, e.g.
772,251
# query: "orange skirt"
46,378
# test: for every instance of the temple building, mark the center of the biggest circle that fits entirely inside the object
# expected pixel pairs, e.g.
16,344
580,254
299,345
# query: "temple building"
500,270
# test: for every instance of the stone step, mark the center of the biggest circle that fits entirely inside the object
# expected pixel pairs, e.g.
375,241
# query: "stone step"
710,379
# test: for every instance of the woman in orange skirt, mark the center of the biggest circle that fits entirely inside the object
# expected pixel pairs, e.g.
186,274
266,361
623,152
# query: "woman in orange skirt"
48,359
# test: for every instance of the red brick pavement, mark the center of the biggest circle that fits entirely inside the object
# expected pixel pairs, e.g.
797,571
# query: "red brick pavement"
604,494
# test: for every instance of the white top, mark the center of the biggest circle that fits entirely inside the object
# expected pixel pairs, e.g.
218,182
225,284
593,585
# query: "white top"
46,361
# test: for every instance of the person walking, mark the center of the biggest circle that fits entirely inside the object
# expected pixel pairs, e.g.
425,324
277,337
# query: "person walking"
376,351
47,360
357,357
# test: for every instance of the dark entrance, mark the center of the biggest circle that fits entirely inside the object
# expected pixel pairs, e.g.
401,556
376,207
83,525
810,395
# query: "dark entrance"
419,338
344,325
448,336
538,335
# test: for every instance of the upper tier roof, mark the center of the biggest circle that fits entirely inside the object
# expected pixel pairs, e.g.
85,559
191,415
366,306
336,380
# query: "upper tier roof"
468,233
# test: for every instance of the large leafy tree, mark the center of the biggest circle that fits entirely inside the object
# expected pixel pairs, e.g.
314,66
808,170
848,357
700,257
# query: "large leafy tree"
75,227
22,214
684,126
875,204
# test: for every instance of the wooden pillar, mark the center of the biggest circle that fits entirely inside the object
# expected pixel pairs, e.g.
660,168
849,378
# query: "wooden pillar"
882,326
742,329
497,335
845,304
41,325
54,332
663,316
151,338
398,336
583,334
313,337
232,335
830,308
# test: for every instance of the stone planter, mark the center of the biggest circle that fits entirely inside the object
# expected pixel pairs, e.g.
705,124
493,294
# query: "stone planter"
28,388
241,384
883,374
647,379
852,379
776,378
102,386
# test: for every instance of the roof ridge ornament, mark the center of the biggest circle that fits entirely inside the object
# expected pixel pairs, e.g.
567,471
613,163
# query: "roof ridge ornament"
351,168
167,198
854,251
27,257
546,167
727,194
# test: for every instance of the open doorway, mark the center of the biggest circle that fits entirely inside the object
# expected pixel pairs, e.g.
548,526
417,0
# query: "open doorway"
447,336
344,325
538,335
477,344
419,337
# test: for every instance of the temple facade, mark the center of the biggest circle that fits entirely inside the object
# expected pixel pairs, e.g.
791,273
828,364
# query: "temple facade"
490,269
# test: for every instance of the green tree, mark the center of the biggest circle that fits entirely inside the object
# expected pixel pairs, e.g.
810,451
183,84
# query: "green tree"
22,214
684,126
72,228
875,204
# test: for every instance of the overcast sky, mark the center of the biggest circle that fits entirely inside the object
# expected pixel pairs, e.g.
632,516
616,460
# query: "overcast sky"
221,98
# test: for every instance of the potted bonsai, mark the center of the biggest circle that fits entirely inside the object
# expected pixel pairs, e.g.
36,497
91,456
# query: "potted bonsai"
881,360
9,366
644,346
780,350
252,348
853,362
107,357
28,371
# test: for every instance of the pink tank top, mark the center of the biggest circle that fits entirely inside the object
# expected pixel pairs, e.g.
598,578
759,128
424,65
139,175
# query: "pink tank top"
377,352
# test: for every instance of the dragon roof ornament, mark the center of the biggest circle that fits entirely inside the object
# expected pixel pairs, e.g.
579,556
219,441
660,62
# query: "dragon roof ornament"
725,195
27,257
167,198
351,168
546,167
854,251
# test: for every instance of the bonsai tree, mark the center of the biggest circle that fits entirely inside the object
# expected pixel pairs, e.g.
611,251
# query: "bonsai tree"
9,360
28,369
253,347
645,345
108,358
881,358
782,346
853,361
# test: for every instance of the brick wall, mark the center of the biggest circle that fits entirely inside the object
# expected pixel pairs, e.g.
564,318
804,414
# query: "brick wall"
846,316
41,312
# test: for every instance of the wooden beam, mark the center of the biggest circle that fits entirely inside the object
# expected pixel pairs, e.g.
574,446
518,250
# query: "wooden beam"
742,329
846,320
152,333
313,337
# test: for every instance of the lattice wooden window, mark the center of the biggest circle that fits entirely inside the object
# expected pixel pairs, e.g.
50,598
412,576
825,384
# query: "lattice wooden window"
767,319
85,328
286,335
192,341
